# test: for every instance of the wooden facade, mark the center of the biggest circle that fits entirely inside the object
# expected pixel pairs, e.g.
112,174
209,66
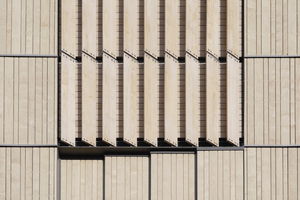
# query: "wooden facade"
149,99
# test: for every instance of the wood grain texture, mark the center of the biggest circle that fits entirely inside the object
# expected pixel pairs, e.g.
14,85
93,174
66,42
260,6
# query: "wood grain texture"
151,34
172,27
213,27
220,174
178,176
212,103
109,86
131,27
150,100
126,177
233,25
81,179
110,27
192,38
192,95
233,117
89,100
68,27
89,27
68,99
130,98
171,100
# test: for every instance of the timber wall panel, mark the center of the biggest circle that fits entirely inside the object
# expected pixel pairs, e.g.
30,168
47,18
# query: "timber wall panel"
28,27
213,27
81,179
193,21
151,40
220,174
131,27
110,30
28,102
28,173
126,177
275,175
172,27
272,101
271,28
89,100
172,176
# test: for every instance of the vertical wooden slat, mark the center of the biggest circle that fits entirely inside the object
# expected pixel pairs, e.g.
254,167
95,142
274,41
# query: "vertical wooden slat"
192,80
212,100
259,94
265,35
68,99
89,27
213,27
23,101
16,27
3,27
285,101
2,97
109,99
151,27
51,101
233,32
297,99
45,27
233,112
170,100
192,38
172,27
89,100
150,100
68,27
292,173
109,27
131,27
130,98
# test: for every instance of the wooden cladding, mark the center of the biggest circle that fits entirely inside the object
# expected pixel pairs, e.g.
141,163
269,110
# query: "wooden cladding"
28,100
81,179
28,27
126,177
139,87
272,101
272,27
28,173
220,174
272,173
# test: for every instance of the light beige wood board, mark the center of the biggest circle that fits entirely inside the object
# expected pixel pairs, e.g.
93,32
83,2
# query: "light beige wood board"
81,179
212,27
192,39
212,100
172,176
31,173
89,100
126,177
109,27
233,118
89,27
233,37
192,103
131,27
109,99
68,27
172,27
171,99
68,65
150,99
151,27
130,98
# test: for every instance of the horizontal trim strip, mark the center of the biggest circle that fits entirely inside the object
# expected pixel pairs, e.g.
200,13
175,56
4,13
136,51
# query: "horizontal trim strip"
272,56
28,145
29,56
272,146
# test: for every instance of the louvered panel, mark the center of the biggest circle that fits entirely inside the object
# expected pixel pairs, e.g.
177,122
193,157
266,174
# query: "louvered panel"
192,35
109,99
212,100
171,100
172,27
213,27
89,100
68,27
151,38
233,38
150,100
89,27
131,27
68,99
233,114
192,103
130,98
110,30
